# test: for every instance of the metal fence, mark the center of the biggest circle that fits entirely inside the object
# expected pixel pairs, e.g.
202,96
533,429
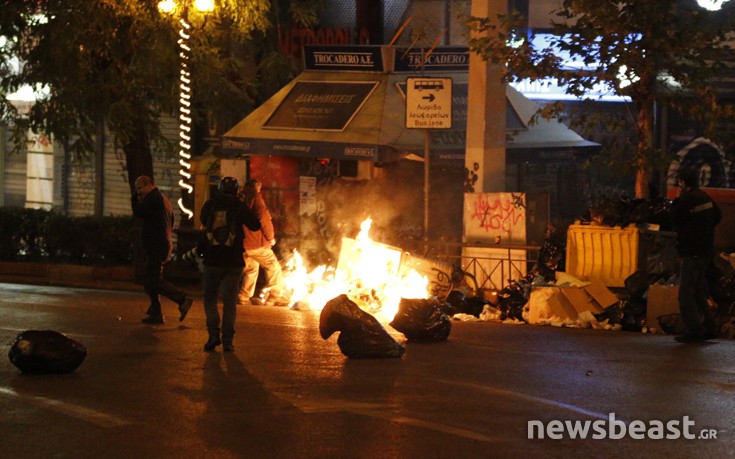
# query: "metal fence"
490,267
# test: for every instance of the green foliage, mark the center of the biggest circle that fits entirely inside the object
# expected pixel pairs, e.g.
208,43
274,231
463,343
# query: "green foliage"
304,12
41,235
22,233
665,53
117,62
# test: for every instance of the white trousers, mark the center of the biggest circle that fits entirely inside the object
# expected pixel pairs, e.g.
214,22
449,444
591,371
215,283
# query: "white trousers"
254,259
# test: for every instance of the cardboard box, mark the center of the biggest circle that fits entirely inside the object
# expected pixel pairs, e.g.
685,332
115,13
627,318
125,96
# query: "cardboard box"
662,299
604,297
568,302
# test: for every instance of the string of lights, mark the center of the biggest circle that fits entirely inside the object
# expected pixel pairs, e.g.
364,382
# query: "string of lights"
184,116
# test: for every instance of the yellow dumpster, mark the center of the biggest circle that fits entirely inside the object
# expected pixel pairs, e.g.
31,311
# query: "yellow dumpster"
602,253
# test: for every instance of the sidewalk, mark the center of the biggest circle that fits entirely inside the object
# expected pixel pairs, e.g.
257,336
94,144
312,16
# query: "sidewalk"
81,276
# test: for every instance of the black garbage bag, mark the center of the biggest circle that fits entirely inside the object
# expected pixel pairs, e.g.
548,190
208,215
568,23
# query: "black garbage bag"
513,298
473,305
671,324
46,352
458,303
721,281
611,212
613,314
448,308
637,284
422,320
361,335
551,258
659,213
634,314
638,211
454,303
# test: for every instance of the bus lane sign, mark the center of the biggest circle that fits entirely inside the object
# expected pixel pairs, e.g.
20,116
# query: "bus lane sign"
428,103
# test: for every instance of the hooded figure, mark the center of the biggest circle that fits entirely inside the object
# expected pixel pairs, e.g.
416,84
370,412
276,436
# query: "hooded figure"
224,217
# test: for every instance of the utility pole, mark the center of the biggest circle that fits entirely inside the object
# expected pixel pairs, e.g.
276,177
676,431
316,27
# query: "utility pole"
485,142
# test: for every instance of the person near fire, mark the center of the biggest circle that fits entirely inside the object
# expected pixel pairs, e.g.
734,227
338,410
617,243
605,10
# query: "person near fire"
695,216
223,260
156,213
259,252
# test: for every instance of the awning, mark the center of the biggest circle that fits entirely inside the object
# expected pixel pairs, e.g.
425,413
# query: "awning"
359,113
337,115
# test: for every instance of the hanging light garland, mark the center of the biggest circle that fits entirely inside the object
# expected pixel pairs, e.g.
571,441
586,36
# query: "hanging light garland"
185,109
184,116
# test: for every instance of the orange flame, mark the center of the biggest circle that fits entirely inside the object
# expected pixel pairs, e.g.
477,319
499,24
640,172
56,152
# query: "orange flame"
370,273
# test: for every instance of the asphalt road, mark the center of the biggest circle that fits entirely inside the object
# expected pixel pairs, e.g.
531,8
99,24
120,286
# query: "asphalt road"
151,392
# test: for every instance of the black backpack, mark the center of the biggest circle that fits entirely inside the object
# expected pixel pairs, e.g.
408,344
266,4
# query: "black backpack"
220,228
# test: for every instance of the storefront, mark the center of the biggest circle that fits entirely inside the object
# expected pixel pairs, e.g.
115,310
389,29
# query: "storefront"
342,121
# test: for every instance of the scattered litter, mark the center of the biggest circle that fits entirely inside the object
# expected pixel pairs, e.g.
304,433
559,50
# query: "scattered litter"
465,317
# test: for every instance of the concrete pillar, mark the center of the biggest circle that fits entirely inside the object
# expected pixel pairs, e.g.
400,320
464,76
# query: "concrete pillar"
485,146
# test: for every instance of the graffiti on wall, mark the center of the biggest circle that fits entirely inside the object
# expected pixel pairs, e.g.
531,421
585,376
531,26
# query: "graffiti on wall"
499,216
325,171
471,178
39,143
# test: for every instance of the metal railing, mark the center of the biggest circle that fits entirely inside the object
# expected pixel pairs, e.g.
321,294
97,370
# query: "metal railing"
489,271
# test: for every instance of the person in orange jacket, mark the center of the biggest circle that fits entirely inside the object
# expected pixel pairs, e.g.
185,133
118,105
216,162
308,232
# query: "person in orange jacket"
259,252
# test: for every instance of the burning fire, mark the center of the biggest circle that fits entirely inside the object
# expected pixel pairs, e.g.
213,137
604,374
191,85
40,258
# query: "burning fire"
369,272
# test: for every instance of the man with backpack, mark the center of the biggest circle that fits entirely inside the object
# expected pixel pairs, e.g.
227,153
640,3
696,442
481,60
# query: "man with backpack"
223,217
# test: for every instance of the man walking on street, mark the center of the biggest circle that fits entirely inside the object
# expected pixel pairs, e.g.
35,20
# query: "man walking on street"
224,217
156,213
259,252
695,216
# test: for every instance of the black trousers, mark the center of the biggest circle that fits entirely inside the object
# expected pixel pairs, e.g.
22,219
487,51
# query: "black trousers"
155,285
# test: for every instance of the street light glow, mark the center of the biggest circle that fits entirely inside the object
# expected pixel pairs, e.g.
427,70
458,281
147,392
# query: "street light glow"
167,6
712,5
204,6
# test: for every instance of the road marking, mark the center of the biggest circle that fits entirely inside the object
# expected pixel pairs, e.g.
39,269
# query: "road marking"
380,411
533,398
440,428
77,411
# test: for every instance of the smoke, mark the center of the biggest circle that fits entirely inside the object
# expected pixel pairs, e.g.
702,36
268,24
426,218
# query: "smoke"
395,207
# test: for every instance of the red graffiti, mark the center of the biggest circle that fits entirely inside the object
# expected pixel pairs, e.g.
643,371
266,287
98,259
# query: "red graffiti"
41,140
499,213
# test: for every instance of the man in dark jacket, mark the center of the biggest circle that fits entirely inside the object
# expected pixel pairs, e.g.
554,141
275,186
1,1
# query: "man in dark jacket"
695,216
156,213
223,217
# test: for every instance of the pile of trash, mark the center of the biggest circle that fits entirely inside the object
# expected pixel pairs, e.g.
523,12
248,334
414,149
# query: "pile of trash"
622,211
647,302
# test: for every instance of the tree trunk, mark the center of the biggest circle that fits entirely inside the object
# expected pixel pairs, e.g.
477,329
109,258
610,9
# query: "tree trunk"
138,158
645,149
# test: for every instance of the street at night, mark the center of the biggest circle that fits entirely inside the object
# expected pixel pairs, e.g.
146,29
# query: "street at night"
150,391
